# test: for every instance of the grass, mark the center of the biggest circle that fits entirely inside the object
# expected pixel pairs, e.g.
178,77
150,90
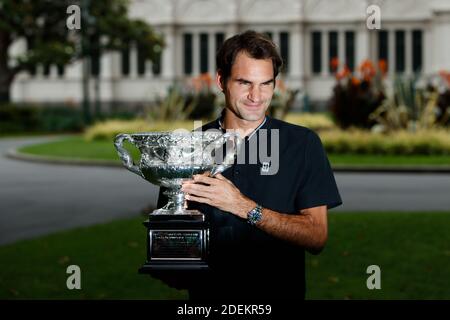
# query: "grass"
77,147
108,256
412,250
383,160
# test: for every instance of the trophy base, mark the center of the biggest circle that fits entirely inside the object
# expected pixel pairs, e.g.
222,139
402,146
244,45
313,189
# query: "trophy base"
176,242
150,267
170,215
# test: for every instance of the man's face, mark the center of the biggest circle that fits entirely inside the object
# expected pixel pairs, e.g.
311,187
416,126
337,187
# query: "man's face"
249,89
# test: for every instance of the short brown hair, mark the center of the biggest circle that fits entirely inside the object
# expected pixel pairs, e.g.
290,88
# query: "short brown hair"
256,45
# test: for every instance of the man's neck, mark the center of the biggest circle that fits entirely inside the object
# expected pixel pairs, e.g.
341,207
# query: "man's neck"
241,126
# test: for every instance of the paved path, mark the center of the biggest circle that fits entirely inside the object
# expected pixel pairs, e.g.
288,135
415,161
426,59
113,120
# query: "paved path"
37,199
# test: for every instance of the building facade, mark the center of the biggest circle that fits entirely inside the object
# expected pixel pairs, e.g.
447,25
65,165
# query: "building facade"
414,38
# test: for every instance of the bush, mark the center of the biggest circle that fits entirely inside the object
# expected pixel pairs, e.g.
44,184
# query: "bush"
27,118
18,119
61,120
204,105
410,107
355,98
282,101
443,102
356,141
107,130
314,121
201,95
193,100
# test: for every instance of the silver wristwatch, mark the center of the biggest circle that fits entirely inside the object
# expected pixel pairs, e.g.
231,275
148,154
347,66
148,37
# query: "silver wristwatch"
254,215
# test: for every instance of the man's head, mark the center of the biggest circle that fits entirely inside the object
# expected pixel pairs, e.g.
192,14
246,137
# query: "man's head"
247,65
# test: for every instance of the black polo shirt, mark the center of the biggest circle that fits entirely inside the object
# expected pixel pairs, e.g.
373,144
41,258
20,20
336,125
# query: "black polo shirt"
245,261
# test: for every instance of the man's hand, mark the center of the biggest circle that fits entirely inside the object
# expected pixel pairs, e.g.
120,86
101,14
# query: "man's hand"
218,192
308,228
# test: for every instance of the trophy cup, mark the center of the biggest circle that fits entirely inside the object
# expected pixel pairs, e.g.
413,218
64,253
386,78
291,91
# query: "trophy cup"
177,238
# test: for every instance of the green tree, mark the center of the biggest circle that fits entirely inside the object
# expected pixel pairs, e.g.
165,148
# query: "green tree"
105,26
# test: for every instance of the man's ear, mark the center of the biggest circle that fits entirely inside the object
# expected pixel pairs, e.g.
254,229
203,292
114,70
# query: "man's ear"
219,81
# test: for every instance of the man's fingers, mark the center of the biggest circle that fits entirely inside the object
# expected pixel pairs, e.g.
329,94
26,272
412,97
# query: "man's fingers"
197,189
220,176
204,179
191,197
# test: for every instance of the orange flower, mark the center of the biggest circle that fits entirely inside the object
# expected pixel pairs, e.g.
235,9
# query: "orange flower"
334,64
206,79
382,66
367,70
345,72
445,75
201,82
355,81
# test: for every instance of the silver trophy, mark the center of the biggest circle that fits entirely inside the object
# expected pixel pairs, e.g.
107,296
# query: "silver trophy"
177,237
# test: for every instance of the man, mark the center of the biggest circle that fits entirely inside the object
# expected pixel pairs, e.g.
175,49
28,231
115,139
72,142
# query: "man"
261,221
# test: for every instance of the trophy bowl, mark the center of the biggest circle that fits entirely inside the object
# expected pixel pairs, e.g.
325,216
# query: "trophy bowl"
177,237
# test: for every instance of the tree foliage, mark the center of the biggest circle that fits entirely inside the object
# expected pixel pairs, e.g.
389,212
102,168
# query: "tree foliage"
105,26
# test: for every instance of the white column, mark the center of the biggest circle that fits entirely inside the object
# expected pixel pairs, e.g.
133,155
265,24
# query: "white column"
391,52
212,53
325,63
39,71
362,45
196,53
296,55
441,47
373,45
427,55
53,71
169,60
133,61
116,71
341,48
276,38
105,65
178,55
307,48
148,69
408,51
106,72
74,70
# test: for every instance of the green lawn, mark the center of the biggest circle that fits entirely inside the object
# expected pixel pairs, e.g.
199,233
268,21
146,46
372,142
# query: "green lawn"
104,150
412,250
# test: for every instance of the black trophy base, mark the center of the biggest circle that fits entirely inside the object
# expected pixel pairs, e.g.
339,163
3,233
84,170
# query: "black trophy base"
176,243
171,266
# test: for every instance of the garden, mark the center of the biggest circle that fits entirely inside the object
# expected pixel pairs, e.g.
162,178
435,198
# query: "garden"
366,123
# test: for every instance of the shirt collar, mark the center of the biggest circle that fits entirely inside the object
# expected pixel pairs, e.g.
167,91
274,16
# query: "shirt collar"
219,121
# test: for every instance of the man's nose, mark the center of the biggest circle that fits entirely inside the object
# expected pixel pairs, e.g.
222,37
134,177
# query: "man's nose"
254,94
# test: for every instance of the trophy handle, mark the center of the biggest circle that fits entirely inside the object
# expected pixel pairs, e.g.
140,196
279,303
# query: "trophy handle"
229,158
126,158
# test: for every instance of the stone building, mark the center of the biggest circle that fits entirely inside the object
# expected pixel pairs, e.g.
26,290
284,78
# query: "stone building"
414,37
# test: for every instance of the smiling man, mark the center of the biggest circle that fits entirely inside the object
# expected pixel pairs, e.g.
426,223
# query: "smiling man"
262,221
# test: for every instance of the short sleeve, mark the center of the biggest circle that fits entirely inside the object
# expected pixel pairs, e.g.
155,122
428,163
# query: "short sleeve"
318,185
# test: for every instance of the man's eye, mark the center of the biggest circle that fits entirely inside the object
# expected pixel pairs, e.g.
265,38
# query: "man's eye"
244,83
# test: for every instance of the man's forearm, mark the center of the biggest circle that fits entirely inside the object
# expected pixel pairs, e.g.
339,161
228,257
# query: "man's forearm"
302,229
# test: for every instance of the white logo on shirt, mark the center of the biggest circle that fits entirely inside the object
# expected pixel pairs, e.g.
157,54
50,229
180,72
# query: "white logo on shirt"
265,167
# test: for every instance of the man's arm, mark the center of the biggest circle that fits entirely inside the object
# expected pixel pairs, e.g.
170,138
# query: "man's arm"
307,229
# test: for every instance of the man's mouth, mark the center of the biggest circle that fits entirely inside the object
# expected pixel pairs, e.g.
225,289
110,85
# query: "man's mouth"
250,105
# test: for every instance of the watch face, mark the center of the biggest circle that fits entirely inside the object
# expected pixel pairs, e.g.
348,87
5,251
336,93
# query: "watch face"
254,216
